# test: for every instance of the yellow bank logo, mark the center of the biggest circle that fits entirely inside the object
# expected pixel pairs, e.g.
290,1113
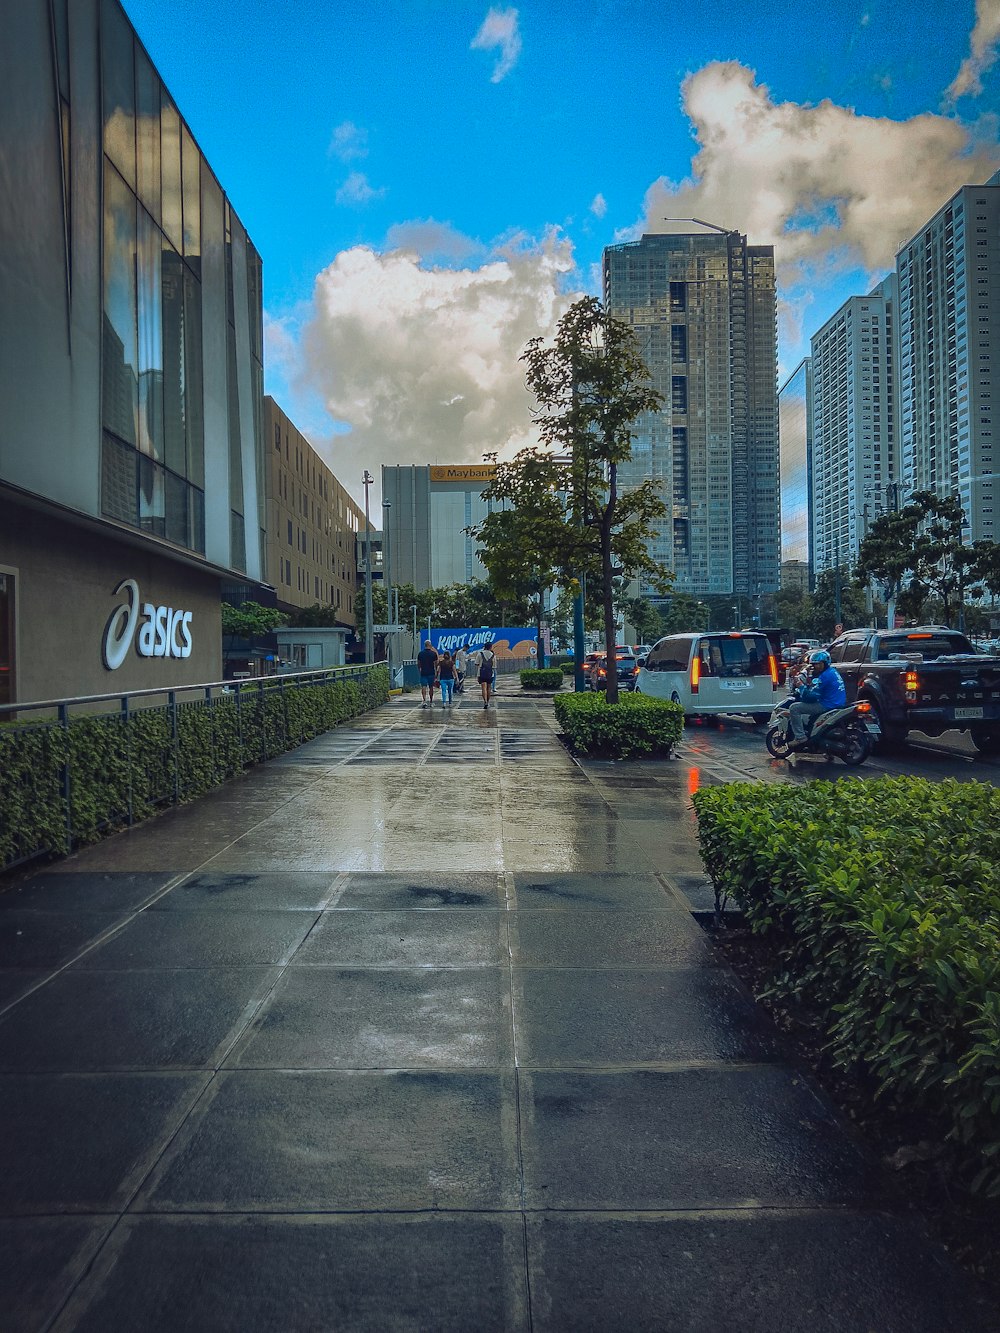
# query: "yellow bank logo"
472,472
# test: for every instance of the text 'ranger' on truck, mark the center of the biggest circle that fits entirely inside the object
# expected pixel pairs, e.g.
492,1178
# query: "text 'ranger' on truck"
927,679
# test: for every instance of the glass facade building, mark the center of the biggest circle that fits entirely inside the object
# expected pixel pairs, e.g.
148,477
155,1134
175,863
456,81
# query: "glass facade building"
795,434
131,322
702,303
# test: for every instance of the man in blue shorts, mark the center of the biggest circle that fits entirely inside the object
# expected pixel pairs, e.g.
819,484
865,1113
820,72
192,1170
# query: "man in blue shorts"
427,666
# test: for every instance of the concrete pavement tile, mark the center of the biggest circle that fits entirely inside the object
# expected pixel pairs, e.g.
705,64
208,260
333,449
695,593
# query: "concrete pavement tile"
574,1018
80,1143
420,1018
590,857
41,1260
335,860
586,890
215,890
365,1274
433,889
200,939
85,891
752,1271
697,1138
308,1142
84,1021
45,940
406,939
15,981
422,856
597,939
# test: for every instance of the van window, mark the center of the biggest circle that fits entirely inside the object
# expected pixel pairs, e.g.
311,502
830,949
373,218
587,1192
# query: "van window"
669,655
739,655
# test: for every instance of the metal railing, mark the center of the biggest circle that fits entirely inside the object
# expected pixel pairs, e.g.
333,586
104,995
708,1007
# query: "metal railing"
72,771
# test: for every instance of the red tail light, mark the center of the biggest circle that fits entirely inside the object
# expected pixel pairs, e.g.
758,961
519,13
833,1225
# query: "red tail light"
863,706
695,674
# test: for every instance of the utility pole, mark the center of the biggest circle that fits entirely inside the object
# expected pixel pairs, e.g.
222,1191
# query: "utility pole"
369,640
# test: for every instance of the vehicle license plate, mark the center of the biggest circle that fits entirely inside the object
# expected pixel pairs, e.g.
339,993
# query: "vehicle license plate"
873,728
736,684
968,712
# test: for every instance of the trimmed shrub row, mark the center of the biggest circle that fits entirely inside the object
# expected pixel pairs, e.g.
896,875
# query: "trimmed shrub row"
635,726
65,786
541,678
883,898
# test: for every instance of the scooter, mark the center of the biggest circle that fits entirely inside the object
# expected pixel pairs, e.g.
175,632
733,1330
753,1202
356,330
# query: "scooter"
848,733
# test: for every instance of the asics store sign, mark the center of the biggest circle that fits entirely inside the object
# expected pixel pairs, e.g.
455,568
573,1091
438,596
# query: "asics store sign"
162,631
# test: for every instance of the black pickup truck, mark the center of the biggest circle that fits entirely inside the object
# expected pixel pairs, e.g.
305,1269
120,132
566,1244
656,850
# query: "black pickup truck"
927,679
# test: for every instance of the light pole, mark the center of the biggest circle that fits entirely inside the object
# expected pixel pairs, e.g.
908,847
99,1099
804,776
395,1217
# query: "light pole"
369,640
736,617
416,647
387,578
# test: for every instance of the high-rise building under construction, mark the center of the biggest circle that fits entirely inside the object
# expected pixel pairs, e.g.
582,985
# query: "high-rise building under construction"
702,303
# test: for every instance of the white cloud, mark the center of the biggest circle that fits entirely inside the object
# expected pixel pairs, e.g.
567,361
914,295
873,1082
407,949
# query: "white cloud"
357,191
422,363
432,241
499,28
982,51
598,205
822,184
349,141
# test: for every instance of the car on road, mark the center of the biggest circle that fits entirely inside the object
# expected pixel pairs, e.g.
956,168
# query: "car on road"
626,669
713,673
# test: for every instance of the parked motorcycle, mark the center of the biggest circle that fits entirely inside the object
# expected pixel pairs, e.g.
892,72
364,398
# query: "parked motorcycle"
848,733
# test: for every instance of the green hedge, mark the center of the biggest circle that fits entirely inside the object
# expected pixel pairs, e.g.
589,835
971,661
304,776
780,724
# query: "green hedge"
636,726
66,786
883,898
541,678
568,668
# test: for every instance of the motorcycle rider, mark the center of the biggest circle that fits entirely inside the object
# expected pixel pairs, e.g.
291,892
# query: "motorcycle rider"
825,690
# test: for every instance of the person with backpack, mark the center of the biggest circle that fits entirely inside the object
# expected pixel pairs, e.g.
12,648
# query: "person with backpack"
487,671
461,668
446,677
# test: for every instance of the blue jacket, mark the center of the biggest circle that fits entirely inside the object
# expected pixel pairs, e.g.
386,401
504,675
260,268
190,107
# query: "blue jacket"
827,689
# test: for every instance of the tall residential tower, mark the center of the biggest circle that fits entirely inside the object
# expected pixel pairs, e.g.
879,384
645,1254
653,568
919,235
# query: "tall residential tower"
702,303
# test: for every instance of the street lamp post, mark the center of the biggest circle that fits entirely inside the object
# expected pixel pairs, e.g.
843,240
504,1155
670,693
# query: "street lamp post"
387,577
416,646
369,639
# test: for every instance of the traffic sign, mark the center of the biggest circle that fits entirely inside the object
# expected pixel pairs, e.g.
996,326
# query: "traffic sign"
388,629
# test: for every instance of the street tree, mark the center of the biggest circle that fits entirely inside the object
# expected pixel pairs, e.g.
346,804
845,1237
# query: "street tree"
591,386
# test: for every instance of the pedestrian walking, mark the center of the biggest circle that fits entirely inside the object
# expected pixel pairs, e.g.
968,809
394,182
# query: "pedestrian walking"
447,674
461,668
427,660
487,671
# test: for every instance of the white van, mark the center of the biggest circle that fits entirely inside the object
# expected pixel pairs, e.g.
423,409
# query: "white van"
713,673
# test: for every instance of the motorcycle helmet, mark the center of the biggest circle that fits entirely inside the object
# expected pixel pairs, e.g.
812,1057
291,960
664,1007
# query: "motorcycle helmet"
821,658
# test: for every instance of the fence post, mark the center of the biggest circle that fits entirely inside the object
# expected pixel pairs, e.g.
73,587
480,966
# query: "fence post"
175,745
127,739
67,789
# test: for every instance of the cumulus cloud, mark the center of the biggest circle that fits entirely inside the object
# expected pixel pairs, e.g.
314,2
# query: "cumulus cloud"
820,183
499,29
598,205
349,141
357,191
435,242
982,51
421,362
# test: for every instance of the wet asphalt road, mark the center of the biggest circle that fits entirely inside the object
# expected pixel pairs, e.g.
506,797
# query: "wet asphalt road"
413,1028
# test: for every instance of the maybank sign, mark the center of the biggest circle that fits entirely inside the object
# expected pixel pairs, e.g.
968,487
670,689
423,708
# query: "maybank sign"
473,472
163,632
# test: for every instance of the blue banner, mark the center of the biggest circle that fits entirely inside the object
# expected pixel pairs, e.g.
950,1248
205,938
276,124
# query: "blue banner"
520,643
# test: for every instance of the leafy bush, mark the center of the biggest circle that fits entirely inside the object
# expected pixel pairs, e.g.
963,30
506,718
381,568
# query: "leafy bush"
883,898
541,678
63,786
568,668
635,726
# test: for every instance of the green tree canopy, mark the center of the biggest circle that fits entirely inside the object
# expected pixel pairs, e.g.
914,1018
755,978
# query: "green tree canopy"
251,619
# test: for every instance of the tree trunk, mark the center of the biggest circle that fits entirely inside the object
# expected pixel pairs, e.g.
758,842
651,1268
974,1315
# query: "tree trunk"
607,525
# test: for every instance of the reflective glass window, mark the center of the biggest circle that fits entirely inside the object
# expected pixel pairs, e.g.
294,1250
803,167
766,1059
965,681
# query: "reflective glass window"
172,290
118,81
120,351
237,541
176,511
147,95
150,321
170,170
152,500
119,489
194,380
191,168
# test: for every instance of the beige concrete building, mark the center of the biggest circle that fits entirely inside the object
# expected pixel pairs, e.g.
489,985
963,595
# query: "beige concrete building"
312,524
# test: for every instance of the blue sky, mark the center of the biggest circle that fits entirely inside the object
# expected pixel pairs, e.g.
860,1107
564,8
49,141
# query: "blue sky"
428,180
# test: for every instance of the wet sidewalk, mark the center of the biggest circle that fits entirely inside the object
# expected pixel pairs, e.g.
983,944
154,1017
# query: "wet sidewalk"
413,1029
